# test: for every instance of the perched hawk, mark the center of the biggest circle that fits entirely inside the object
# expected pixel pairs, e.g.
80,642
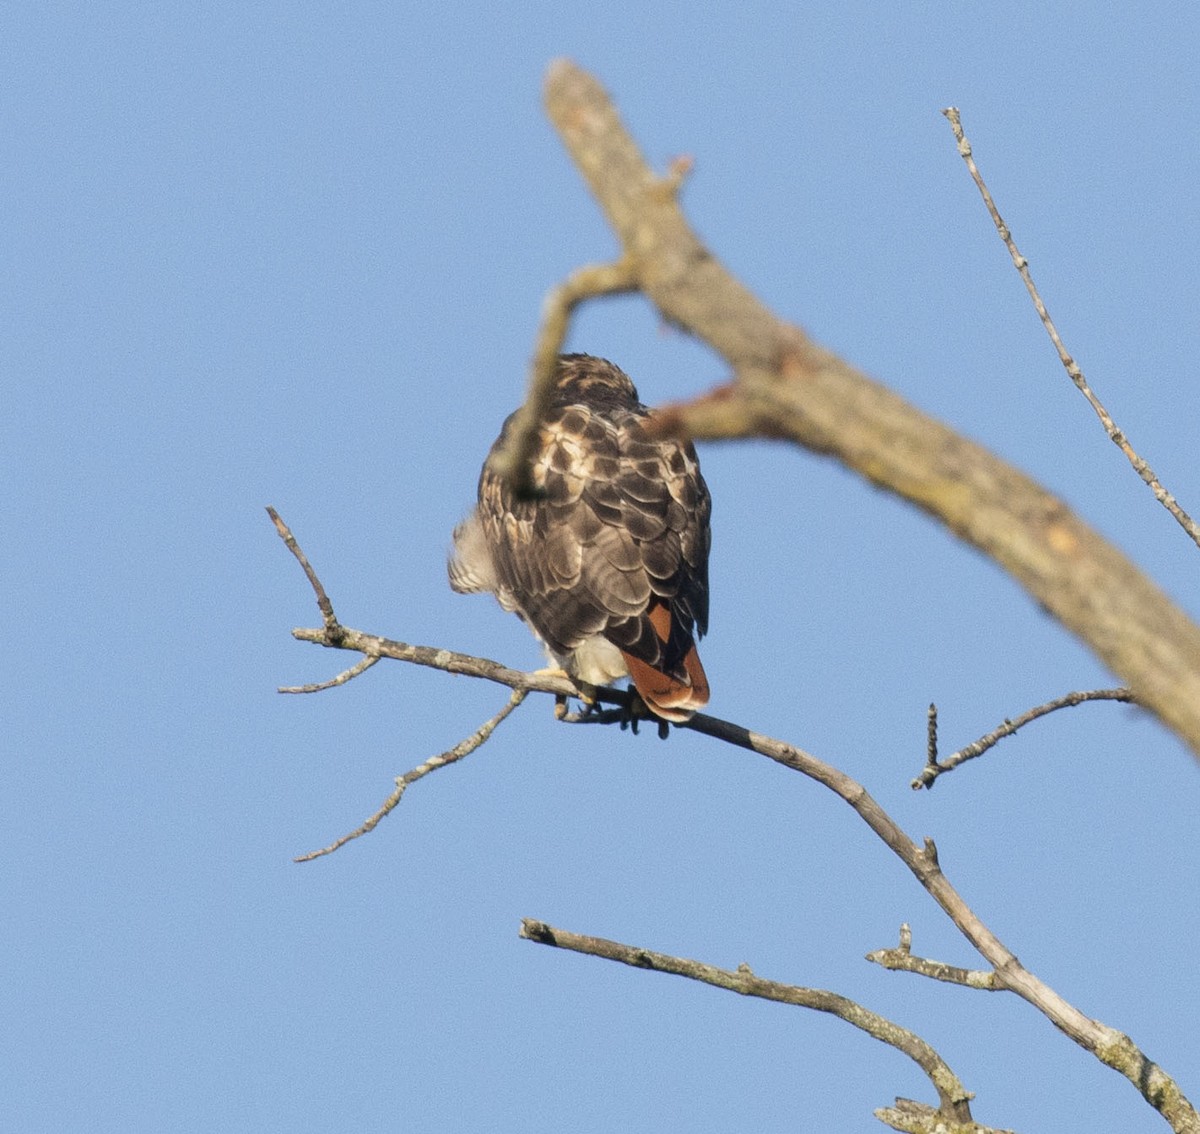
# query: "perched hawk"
609,564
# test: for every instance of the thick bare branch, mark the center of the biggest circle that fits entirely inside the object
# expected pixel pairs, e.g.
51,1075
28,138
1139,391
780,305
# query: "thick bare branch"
787,386
954,1098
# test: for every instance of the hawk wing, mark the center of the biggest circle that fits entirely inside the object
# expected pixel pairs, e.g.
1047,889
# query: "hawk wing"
609,565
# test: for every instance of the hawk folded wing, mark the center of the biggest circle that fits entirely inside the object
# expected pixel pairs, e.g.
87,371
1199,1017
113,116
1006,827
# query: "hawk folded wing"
609,564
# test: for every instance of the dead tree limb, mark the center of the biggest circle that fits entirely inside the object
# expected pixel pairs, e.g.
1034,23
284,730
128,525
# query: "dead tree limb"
954,1110
1110,1046
787,386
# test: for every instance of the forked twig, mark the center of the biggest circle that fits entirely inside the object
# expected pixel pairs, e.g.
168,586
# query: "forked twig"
1116,435
901,959
935,767
336,636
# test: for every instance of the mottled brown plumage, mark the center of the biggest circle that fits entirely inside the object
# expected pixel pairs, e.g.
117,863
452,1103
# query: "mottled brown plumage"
609,564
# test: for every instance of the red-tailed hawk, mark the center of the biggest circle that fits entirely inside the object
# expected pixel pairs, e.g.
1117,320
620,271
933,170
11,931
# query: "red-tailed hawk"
609,563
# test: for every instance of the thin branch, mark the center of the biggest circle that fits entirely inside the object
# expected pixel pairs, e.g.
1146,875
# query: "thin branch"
434,657
336,636
360,666
954,1098
935,767
1116,435
442,760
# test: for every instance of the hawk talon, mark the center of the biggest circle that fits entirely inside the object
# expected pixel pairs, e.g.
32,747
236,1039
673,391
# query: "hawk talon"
636,710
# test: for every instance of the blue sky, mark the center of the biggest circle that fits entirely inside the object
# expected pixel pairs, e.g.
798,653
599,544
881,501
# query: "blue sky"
294,255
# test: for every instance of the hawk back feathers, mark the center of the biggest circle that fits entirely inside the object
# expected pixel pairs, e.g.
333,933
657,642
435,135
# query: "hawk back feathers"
609,564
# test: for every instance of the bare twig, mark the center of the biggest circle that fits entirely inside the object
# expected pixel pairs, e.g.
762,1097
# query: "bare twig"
360,666
323,602
449,661
442,760
898,961
1116,435
935,767
954,1098
588,282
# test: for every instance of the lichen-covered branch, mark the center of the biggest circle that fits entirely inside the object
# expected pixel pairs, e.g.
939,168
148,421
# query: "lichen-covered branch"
902,959
954,1110
917,1118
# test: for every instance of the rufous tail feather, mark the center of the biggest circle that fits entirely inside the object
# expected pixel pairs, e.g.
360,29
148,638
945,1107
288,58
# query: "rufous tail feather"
666,696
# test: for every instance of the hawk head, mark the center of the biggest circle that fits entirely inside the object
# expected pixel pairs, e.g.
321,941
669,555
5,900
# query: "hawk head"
583,378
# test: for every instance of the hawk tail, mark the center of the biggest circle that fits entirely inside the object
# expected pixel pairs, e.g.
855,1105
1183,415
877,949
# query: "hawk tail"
666,696
674,695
